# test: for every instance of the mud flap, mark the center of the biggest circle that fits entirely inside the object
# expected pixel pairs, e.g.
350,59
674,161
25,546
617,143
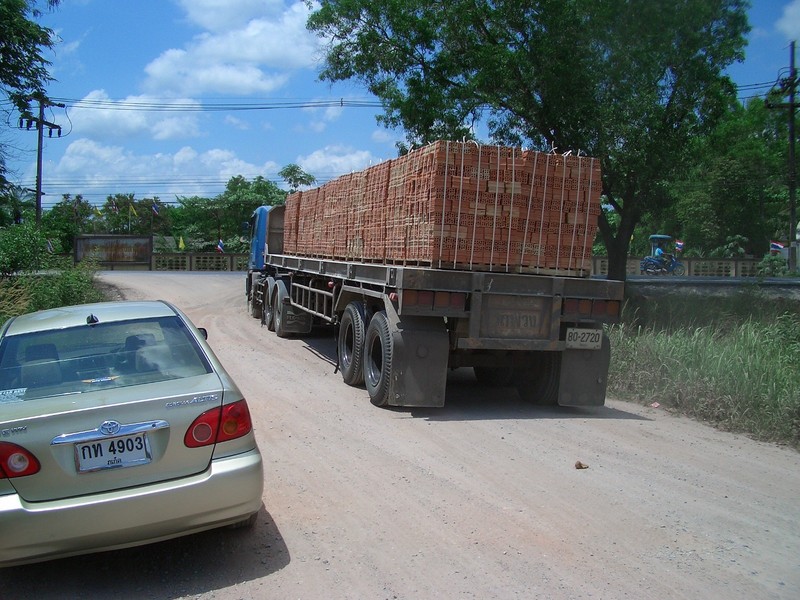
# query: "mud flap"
296,320
584,376
419,361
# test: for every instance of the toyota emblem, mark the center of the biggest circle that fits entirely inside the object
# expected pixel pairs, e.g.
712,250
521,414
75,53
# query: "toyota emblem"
109,427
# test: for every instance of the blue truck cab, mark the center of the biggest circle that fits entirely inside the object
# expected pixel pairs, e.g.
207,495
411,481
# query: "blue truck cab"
266,235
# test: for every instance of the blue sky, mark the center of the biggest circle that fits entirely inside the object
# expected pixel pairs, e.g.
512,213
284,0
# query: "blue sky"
139,77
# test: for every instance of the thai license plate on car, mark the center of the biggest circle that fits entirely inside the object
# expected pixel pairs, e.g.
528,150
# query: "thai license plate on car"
113,453
584,339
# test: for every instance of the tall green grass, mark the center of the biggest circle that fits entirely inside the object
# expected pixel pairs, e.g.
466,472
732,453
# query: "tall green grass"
731,361
61,285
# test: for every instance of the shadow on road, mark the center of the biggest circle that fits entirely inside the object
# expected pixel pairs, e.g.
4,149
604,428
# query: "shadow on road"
182,567
467,400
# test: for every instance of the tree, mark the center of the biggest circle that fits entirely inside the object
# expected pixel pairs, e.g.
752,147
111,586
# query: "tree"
295,177
734,188
629,82
23,68
15,204
67,219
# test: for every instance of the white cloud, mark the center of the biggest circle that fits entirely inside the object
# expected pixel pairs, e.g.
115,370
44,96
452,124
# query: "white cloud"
221,15
238,52
237,123
335,161
100,117
789,23
96,169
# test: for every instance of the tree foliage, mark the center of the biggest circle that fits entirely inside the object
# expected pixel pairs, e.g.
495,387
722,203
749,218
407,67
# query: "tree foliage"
23,68
627,82
296,177
734,186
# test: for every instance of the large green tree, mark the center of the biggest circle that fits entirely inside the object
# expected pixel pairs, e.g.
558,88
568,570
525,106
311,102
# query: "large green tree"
734,187
627,81
23,68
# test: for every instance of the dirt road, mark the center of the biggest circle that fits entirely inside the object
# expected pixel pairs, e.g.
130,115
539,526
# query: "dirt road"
480,499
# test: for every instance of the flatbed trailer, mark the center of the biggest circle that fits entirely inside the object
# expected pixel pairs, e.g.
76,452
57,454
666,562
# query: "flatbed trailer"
400,328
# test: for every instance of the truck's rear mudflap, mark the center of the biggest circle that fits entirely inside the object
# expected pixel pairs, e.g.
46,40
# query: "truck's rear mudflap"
419,367
584,376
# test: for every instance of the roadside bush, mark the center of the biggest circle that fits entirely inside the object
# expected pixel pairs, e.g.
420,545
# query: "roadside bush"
730,361
22,249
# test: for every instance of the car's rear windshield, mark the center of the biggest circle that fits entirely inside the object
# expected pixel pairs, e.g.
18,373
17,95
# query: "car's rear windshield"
105,355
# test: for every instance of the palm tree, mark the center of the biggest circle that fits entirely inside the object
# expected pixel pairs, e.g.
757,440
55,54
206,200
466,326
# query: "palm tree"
15,201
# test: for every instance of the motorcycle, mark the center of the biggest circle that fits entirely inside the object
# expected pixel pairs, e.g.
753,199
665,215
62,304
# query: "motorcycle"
666,264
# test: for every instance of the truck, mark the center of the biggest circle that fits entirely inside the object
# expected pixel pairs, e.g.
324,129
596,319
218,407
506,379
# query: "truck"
456,255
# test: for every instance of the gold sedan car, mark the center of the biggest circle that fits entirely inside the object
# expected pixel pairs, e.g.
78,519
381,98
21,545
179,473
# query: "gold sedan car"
118,427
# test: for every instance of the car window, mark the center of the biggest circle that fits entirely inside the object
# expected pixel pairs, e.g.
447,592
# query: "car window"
105,355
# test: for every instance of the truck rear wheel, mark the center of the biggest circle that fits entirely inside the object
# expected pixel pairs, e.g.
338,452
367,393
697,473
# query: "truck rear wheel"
539,383
378,354
350,345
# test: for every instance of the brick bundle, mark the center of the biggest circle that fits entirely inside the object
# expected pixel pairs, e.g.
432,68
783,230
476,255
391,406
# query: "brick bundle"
456,205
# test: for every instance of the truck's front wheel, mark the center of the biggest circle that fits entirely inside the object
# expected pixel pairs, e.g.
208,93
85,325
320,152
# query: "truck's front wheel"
378,354
350,346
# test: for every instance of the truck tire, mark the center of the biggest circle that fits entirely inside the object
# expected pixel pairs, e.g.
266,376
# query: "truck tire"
494,376
350,345
378,354
253,305
277,304
539,383
268,318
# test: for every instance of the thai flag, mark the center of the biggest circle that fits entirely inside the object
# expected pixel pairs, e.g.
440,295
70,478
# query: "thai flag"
155,209
678,245
775,246
220,246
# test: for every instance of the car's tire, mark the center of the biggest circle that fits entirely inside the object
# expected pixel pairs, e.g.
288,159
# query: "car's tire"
378,355
494,376
350,344
539,384
280,293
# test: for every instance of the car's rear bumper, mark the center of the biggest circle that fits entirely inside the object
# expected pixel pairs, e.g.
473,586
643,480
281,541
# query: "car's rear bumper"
227,492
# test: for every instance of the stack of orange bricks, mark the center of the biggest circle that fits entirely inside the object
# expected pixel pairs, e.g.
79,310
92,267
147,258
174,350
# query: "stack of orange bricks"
456,205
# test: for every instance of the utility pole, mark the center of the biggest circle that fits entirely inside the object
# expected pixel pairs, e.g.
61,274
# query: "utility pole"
40,125
788,86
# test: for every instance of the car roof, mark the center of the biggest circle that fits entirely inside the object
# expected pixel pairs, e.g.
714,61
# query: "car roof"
83,314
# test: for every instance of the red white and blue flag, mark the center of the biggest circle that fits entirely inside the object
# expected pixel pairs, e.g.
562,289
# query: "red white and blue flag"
775,246
155,209
678,245
220,246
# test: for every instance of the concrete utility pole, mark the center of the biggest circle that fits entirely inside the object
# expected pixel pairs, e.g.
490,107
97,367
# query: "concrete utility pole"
789,86
40,125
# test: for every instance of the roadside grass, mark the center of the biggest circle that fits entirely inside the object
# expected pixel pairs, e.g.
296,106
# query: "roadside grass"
61,284
732,361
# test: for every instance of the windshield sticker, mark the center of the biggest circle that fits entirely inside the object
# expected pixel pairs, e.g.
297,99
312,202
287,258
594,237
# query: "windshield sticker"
15,395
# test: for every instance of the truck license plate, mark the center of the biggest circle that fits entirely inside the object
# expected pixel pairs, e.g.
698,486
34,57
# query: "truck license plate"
113,453
584,339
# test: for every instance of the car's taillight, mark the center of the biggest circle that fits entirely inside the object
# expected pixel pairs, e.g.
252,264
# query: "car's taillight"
15,461
220,424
